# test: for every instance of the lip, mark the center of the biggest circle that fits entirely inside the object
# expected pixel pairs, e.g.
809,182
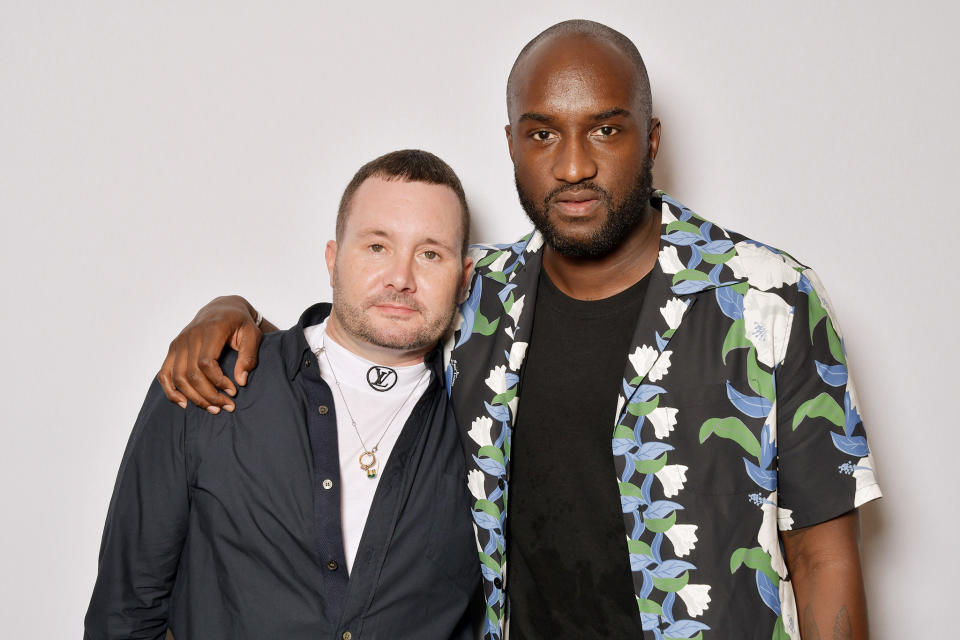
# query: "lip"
578,207
395,309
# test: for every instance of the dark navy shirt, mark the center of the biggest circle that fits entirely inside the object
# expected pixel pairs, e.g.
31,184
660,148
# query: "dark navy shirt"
229,526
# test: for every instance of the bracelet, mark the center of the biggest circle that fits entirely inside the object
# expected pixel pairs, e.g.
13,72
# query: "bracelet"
259,319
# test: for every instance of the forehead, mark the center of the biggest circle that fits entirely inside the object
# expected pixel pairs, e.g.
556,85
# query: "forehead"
412,211
574,73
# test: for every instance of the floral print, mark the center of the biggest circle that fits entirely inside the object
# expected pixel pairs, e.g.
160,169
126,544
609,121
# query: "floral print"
736,419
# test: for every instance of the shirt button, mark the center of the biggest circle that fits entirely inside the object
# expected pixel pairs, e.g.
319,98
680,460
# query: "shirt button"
328,484
323,409
498,583
347,635
306,363
332,565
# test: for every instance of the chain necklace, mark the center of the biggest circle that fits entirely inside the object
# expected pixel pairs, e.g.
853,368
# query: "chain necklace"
368,459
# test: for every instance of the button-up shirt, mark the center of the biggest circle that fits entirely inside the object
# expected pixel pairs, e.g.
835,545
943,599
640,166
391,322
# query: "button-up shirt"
228,526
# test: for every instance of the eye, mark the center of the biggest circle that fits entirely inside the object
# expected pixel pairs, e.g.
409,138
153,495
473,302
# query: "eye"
606,131
376,248
430,254
542,135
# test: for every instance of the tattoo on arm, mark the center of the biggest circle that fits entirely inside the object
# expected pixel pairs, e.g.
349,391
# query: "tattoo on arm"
842,629
810,630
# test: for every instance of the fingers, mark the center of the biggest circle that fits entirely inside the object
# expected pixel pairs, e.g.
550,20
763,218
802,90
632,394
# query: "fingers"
247,342
165,377
195,372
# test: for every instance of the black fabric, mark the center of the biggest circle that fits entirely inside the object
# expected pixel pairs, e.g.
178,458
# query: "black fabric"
566,537
216,532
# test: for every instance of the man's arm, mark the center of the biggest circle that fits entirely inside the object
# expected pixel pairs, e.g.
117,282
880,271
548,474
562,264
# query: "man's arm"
145,529
191,370
824,565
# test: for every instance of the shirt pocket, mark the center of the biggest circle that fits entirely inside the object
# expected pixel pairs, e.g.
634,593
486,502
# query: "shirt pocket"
712,442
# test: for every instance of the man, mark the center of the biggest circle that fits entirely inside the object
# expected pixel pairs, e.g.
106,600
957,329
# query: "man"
307,514
666,403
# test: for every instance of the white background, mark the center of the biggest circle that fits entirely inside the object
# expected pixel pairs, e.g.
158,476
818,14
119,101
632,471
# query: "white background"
154,155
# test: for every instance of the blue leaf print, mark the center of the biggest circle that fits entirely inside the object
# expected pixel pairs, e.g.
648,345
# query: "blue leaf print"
682,238
684,629
505,292
627,389
488,574
661,509
705,230
804,285
833,375
490,466
655,547
716,247
767,449
695,257
640,561
511,379
645,489
499,412
485,521
851,417
448,377
690,286
715,274
661,343
638,527
667,607
652,450
646,391
763,477
622,446
649,621
672,569
469,309
731,302
768,592
629,504
753,406
851,445
647,585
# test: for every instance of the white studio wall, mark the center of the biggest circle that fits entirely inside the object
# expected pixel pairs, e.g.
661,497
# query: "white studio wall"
155,155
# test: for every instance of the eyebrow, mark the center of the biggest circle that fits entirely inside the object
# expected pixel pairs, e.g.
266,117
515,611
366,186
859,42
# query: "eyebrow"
380,233
603,115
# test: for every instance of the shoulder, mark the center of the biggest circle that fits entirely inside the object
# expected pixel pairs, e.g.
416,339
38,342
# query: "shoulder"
498,261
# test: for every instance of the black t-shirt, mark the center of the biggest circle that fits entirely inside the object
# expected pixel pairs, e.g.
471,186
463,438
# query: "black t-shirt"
566,573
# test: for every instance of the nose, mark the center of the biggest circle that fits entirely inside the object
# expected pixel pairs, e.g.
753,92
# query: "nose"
399,274
574,162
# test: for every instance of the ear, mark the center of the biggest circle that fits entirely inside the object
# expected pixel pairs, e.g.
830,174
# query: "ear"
654,137
509,133
330,255
465,280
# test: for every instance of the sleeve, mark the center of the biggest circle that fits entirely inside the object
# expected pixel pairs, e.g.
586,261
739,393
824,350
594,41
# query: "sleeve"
145,528
825,468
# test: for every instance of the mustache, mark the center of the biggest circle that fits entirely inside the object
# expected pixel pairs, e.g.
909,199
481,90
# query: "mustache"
580,186
395,298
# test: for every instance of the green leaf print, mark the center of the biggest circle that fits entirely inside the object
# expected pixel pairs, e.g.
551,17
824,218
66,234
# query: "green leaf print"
779,633
659,525
760,381
488,259
672,584
491,452
689,274
643,408
505,397
623,432
649,606
823,406
718,258
638,546
732,429
651,466
836,347
736,339
756,559
508,303
487,507
680,225
817,312
483,326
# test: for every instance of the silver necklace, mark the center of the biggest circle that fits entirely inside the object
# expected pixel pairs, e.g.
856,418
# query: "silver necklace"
368,459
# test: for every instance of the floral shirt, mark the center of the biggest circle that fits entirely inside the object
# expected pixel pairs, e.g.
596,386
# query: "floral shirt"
736,419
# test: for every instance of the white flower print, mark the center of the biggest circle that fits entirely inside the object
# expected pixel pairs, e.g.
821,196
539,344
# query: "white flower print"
670,260
867,487
788,609
497,380
672,477
663,419
696,597
660,367
620,402
643,358
768,537
683,537
673,312
666,215
762,268
475,484
497,265
517,351
767,319
480,431
535,243
517,309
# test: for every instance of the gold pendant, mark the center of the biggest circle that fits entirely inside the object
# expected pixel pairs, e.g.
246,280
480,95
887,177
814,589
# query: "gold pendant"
368,462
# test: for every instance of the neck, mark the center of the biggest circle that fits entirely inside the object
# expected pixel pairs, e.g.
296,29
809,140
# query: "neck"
386,356
598,278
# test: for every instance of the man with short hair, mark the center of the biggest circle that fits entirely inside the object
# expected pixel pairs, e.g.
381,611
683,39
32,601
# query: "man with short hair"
308,513
666,403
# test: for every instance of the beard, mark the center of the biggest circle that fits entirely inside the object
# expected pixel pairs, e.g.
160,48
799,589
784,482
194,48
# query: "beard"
354,319
622,217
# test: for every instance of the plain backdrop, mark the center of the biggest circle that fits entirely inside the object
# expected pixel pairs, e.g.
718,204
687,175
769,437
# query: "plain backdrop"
154,155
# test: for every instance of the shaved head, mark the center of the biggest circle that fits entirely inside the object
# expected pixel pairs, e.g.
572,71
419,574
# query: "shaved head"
589,30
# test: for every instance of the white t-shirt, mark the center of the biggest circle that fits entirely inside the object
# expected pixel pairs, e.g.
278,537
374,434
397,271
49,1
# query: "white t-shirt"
377,414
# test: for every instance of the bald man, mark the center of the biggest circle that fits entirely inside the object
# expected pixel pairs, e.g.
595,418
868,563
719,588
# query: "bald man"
666,403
